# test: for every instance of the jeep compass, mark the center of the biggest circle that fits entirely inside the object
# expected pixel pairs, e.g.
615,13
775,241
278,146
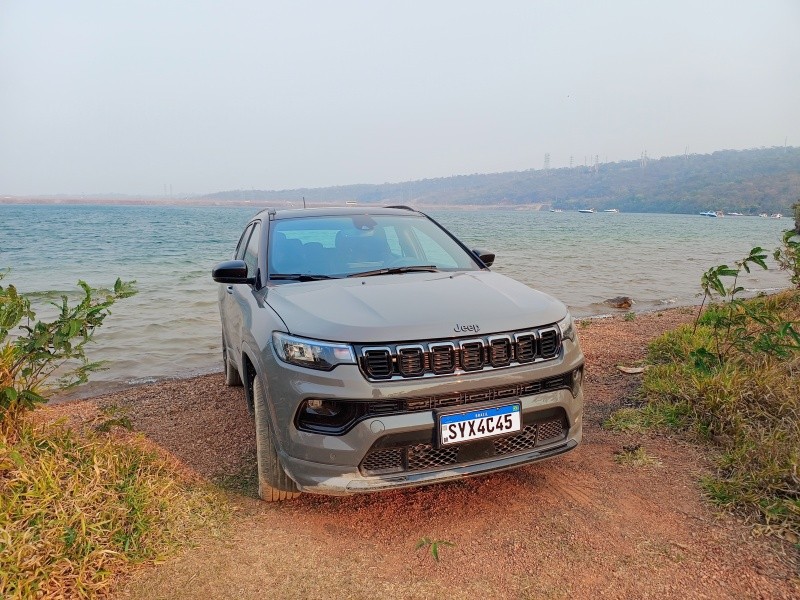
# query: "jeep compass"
377,351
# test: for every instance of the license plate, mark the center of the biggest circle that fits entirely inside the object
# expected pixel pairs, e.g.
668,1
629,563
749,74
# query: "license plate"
455,428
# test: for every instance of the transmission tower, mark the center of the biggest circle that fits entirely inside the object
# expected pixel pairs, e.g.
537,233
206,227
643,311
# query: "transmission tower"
570,161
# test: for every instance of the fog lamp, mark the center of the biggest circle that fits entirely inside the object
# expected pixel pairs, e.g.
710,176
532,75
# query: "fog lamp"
322,408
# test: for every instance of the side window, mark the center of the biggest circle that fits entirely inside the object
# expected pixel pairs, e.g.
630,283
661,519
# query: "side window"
251,251
240,247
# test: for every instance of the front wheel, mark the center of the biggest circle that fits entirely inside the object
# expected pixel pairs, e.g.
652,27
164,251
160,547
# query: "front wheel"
273,482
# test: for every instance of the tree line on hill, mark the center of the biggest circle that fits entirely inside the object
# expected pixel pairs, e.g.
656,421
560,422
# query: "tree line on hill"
764,180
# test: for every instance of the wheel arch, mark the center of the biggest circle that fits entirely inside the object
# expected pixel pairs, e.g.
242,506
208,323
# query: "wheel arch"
248,377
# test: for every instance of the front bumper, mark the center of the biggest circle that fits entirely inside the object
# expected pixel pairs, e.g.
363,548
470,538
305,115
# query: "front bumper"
338,479
333,464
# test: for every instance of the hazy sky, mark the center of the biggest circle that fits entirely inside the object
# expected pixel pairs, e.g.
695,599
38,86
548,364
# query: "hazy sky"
127,96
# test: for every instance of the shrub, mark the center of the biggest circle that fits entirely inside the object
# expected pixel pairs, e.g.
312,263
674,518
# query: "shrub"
733,379
750,410
787,254
32,351
75,510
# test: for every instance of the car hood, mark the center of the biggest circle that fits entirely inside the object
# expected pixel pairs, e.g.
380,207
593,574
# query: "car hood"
411,306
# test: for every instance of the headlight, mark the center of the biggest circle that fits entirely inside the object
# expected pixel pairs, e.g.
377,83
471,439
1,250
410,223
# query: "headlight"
313,354
567,328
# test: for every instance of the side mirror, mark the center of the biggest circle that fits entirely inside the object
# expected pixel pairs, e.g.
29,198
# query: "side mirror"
485,256
231,271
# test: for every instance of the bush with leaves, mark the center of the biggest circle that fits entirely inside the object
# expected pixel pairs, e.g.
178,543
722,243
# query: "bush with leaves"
787,254
34,351
738,326
734,380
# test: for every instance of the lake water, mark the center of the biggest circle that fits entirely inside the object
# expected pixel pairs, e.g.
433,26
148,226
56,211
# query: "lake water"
171,327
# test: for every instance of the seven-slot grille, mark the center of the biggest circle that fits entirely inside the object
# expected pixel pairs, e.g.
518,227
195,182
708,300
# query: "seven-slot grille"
465,355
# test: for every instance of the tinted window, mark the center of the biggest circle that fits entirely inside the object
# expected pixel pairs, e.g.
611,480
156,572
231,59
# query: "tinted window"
251,251
240,247
339,246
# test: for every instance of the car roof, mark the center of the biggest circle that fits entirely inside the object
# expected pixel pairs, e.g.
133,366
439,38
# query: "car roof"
335,211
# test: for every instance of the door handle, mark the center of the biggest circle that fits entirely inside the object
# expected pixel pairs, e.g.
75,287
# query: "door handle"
229,289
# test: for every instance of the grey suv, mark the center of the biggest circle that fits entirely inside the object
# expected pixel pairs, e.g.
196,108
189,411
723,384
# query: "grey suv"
377,351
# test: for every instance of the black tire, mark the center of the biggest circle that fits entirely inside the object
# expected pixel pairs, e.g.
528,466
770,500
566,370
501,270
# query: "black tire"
232,377
274,484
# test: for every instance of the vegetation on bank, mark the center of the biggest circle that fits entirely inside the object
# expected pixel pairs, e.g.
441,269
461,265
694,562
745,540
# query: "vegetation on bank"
76,508
748,181
733,380
77,511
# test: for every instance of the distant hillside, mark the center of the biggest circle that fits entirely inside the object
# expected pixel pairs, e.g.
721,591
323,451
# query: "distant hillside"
746,181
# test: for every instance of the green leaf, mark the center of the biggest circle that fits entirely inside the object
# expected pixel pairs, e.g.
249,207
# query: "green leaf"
17,459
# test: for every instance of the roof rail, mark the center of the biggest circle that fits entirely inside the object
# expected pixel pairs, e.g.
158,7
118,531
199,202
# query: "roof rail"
269,211
401,206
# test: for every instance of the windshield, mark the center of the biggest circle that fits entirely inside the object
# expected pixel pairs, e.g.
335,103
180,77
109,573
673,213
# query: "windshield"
361,244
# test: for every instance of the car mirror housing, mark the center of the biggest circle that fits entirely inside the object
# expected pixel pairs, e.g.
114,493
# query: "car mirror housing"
485,256
231,271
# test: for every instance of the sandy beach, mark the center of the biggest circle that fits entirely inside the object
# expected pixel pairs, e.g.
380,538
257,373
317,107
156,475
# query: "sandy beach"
580,526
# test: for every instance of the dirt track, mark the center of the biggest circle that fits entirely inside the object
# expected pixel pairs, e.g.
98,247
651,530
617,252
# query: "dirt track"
579,526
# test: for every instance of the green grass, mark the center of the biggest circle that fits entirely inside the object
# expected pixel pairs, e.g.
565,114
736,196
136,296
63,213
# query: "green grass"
747,408
78,511
635,456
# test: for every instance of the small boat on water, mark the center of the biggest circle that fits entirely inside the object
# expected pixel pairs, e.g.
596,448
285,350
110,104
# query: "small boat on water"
735,214
611,210
709,213
556,210
763,215
586,210
777,216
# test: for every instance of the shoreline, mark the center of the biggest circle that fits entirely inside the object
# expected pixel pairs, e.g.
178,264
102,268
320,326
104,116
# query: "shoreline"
258,204
100,389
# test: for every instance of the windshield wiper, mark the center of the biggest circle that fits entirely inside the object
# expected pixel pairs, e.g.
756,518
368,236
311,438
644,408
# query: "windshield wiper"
299,277
395,270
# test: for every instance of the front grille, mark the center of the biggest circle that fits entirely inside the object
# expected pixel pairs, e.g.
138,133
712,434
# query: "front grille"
500,352
525,440
411,361
378,363
526,348
380,407
472,356
425,457
548,343
444,357
385,460
532,436
552,430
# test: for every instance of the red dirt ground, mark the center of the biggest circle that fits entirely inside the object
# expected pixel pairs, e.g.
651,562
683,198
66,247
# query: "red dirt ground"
579,526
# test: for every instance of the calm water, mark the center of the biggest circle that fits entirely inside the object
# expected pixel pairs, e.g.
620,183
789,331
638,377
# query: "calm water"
171,328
